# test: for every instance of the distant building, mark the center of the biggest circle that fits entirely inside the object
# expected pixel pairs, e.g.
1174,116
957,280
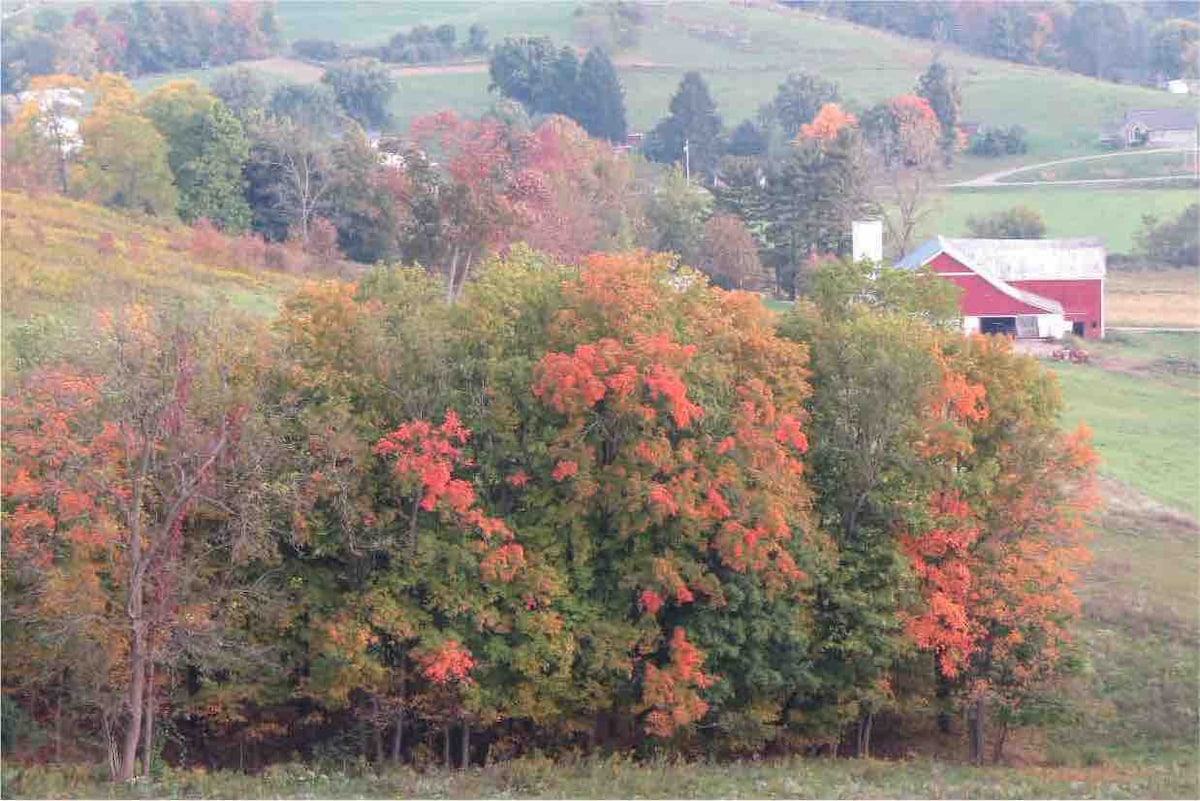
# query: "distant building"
1160,126
60,111
1026,288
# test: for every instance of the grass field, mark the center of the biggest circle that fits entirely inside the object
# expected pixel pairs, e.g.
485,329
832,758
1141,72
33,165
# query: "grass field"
1114,166
1114,215
1142,401
1141,594
608,778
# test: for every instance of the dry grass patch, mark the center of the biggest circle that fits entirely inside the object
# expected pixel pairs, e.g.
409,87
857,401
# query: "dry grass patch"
1169,298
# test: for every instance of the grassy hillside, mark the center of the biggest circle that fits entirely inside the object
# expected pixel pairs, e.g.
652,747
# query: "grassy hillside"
744,52
65,261
1141,627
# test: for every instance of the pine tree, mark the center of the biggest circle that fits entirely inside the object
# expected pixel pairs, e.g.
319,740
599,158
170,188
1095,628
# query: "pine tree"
938,86
599,98
693,121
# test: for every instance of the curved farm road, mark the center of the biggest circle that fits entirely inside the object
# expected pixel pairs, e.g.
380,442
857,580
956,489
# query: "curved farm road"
476,67
994,179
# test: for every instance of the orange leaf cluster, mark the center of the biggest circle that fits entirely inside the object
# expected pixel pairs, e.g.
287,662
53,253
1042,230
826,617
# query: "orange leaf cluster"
671,693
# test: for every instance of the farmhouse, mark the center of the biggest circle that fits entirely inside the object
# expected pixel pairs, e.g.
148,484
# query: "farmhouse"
1026,288
1160,126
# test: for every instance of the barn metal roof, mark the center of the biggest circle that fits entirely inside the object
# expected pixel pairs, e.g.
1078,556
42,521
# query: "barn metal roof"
1018,259
1162,119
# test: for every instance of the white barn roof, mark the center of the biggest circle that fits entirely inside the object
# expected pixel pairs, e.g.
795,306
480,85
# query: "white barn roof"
1018,259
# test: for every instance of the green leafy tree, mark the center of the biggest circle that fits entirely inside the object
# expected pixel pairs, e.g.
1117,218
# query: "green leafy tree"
363,88
243,90
799,98
207,151
693,121
599,98
124,160
533,72
676,213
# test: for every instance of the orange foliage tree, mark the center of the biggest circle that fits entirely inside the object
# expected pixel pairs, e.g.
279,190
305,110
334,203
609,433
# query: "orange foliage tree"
1005,537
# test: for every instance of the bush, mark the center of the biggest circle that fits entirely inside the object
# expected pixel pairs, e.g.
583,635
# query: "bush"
1019,222
1171,242
317,50
993,142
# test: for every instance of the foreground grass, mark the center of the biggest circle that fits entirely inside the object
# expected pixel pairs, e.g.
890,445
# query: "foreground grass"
615,778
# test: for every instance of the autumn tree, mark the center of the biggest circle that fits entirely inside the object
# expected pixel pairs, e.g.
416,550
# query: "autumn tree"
1000,550
119,504
729,253
124,159
904,134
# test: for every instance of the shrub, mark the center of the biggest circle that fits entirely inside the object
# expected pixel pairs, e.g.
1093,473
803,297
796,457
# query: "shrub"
1171,242
1018,222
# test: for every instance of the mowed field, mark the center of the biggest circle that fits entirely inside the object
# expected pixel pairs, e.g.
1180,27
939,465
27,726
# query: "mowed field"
1114,214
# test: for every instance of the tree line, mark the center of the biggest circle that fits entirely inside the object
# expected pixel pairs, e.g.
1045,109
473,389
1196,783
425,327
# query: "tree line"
1126,42
600,505
134,39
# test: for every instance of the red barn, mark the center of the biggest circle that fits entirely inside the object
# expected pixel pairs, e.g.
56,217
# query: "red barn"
1027,288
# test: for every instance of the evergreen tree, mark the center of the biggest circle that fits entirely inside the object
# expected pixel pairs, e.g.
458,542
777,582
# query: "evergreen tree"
599,98
938,86
693,121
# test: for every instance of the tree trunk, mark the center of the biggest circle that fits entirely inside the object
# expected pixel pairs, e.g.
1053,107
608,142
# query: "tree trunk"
110,741
446,747
148,735
398,737
1001,737
58,729
137,679
377,726
450,282
944,719
976,721
865,724
466,745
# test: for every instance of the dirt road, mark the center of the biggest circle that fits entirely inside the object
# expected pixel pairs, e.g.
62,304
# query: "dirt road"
993,179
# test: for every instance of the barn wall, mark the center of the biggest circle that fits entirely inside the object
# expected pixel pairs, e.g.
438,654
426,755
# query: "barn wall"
979,298
1082,301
